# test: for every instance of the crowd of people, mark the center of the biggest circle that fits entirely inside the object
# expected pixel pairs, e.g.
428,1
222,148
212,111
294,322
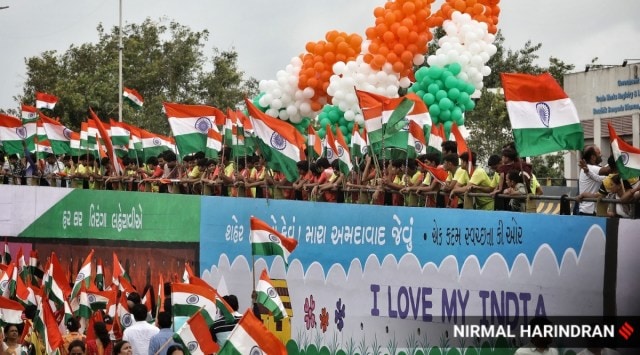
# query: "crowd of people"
147,335
504,184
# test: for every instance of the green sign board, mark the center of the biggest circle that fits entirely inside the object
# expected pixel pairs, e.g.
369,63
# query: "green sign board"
116,215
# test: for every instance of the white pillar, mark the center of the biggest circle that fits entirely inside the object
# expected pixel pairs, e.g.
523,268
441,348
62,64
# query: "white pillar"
597,133
635,129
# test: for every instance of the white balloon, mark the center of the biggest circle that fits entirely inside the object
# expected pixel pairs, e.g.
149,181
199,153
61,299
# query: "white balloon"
405,82
338,68
291,110
308,93
392,91
349,115
418,59
272,112
295,119
359,119
486,71
305,109
276,104
283,115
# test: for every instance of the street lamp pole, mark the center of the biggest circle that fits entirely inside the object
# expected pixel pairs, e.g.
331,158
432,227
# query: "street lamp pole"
120,49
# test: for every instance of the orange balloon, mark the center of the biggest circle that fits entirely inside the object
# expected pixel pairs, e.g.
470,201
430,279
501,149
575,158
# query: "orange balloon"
342,47
381,29
388,37
316,106
389,18
384,50
318,67
355,41
340,57
368,58
392,57
302,81
408,8
402,32
407,57
312,82
379,60
398,67
398,48
309,46
329,57
370,32
378,12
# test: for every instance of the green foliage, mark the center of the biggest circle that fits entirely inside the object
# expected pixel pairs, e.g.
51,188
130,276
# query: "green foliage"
312,350
162,60
549,166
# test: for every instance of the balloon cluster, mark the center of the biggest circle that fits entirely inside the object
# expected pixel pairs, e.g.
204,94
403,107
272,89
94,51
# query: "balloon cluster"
400,35
281,97
485,11
360,75
334,117
317,64
468,43
446,95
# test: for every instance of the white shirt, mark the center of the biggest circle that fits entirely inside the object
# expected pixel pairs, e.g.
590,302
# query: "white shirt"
139,335
589,182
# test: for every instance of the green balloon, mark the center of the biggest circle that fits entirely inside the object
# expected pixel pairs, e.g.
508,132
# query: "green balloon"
350,126
434,119
451,82
445,104
334,117
434,110
435,72
345,130
324,122
420,93
453,94
464,97
433,88
445,115
455,68
470,89
459,121
441,94
456,114
428,99
421,73
469,105
322,132
440,84
447,128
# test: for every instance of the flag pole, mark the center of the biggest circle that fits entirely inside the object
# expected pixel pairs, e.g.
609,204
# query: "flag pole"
120,48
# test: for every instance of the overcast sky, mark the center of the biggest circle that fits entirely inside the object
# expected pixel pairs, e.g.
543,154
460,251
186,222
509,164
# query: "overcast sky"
267,34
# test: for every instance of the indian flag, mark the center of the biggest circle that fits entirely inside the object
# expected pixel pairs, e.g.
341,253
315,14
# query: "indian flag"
154,144
341,149
358,142
372,112
118,271
627,156
12,133
416,142
133,97
436,138
195,337
100,299
269,297
74,143
187,299
28,113
543,117
214,143
10,311
120,134
8,281
59,136
47,327
190,124
99,279
250,336
267,241
57,285
313,143
44,100
84,275
280,143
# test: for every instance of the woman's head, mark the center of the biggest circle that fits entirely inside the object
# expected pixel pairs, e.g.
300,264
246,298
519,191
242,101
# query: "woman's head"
122,347
76,347
175,350
73,324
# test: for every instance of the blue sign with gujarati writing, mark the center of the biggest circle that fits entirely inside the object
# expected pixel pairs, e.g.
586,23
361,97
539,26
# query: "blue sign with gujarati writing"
332,233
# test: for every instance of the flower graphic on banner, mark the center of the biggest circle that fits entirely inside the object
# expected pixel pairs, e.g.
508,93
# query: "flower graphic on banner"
309,316
324,319
340,314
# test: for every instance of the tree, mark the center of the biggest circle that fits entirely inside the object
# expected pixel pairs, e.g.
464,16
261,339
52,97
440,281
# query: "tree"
163,61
